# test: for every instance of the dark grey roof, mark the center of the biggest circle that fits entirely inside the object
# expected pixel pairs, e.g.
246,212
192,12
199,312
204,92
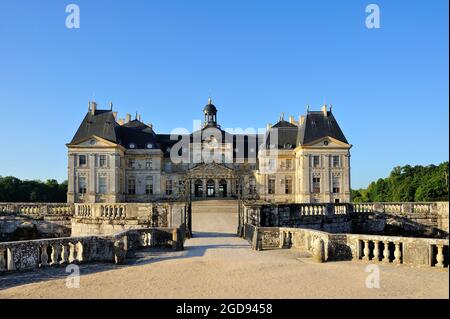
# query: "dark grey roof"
101,124
210,108
317,126
139,134
287,135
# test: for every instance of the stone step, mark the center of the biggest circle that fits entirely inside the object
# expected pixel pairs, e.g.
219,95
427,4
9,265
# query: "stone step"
215,206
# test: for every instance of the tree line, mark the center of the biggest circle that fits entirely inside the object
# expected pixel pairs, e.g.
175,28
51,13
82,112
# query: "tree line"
408,184
13,189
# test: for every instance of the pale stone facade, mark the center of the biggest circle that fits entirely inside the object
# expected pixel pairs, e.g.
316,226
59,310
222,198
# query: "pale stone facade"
115,160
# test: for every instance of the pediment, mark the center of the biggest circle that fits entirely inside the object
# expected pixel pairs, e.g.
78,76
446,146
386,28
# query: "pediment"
211,168
93,141
327,142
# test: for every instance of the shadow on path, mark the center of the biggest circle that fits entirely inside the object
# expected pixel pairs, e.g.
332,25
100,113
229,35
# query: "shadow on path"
138,258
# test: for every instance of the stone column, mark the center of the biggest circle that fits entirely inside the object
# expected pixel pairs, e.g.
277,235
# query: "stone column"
205,190
71,184
326,178
216,188
346,180
228,188
92,180
306,179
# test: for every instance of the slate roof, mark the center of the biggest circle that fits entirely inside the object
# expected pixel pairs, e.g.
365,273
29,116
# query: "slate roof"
102,124
317,126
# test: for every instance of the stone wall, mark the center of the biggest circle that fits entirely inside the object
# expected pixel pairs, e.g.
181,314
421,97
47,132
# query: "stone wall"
20,221
370,248
33,254
403,219
107,219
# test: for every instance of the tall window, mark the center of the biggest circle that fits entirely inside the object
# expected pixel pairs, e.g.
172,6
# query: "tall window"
82,160
271,164
102,185
336,161
180,186
131,163
316,185
288,164
149,163
102,161
82,185
252,184
169,185
288,185
316,161
271,188
336,185
149,185
131,186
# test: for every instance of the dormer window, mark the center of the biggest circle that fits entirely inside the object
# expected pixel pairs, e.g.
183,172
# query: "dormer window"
325,143
132,145
149,145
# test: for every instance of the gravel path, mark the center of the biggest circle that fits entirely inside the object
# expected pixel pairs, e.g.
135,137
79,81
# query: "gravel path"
216,264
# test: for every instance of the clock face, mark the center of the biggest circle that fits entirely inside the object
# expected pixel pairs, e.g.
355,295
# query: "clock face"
92,142
149,145
325,143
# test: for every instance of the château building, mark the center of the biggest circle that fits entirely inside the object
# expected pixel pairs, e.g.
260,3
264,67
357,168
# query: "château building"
125,160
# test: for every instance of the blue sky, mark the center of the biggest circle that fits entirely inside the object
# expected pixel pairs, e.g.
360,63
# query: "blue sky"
388,86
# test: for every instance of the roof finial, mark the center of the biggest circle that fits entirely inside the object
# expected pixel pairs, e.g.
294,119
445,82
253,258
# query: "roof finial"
89,106
331,107
282,116
110,105
209,100
136,115
307,107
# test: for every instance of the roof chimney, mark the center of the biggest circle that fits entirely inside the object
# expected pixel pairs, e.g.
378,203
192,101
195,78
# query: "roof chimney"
324,110
269,126
127,118
291,119
115,115
93,108
302,120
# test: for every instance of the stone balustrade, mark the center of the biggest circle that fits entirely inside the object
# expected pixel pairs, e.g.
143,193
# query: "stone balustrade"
37,209
399,250
33,254
367,248
394,208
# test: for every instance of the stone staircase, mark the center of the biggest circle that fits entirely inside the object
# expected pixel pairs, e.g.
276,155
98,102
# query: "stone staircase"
228,206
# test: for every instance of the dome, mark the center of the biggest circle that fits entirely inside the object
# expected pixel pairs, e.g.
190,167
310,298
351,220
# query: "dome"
210,108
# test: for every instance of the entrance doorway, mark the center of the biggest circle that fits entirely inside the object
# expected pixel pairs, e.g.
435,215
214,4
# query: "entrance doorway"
198,188
211,189
223,188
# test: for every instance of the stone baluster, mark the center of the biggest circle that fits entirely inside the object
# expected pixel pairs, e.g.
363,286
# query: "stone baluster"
148,238
2,260
397,253
10,259
72,253
366,250
44,255
80,252
56,248
386,252
440,256
281,239
64,254
376,250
